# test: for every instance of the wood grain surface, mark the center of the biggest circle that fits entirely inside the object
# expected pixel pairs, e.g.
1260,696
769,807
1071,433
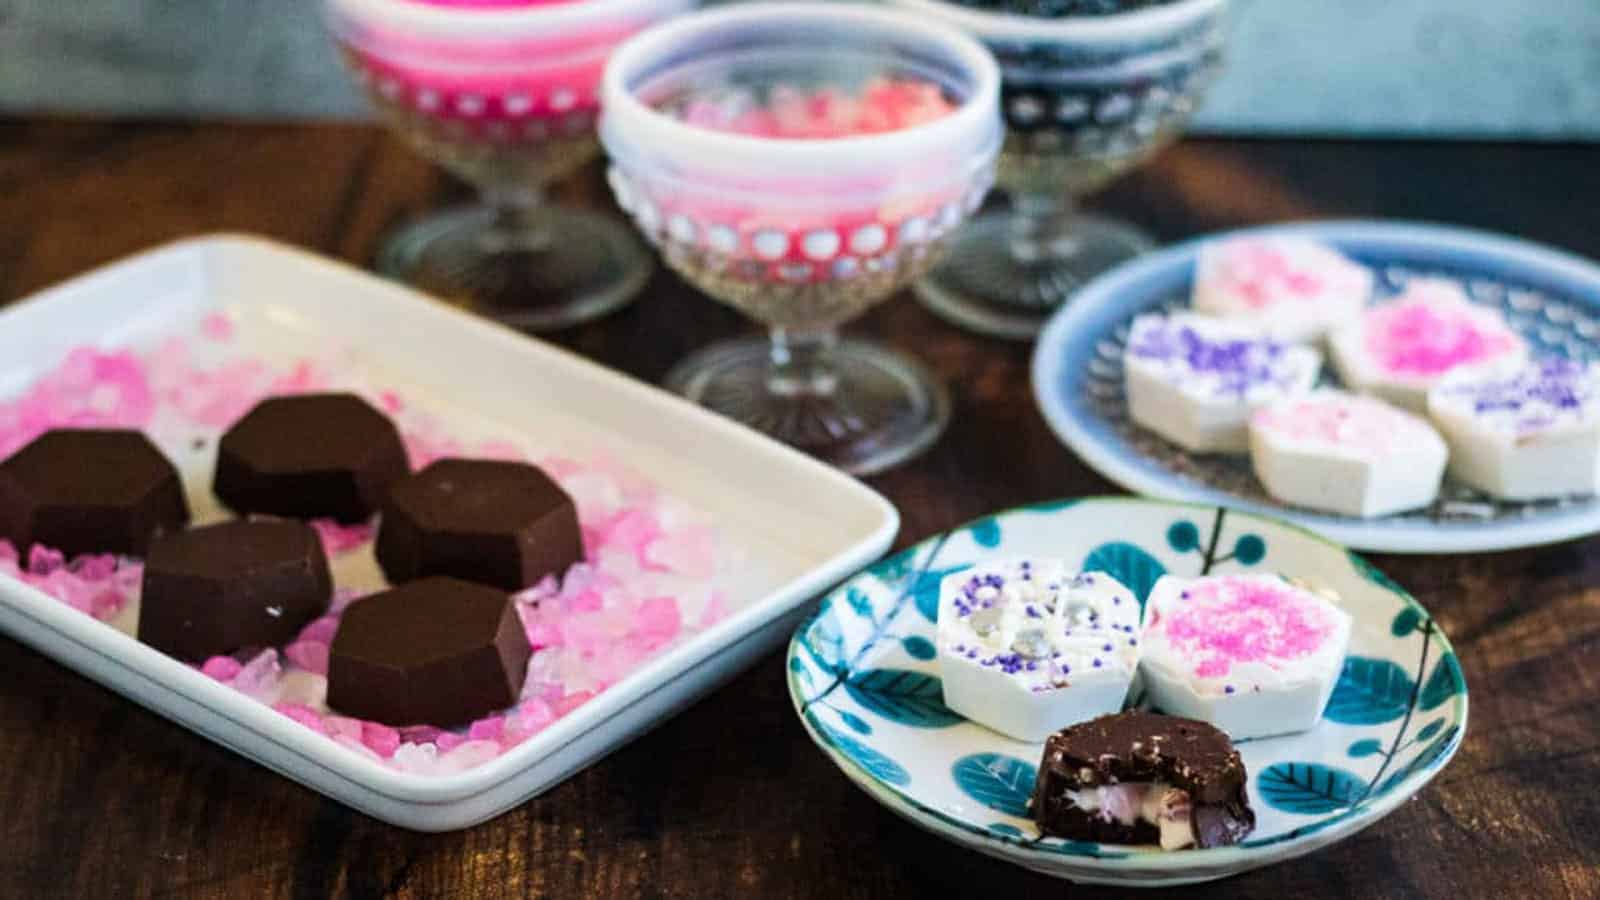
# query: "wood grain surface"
730,799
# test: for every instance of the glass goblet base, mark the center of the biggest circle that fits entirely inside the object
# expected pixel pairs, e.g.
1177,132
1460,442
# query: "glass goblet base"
985,285
552,269
875,409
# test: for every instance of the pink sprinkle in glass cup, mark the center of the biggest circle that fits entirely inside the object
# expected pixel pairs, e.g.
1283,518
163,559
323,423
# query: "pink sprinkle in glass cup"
1086,98
504,94
802,163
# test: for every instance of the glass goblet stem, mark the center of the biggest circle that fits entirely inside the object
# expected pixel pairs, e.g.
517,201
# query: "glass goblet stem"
802,364
518,222
1041,227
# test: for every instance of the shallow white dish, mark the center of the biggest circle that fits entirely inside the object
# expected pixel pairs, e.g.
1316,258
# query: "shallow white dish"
863,678
801,526
1549,297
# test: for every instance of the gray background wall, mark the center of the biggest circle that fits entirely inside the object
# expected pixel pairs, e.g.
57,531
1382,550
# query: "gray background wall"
1454,68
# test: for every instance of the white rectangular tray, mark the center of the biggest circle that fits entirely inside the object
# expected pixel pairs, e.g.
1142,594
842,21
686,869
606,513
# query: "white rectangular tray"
800,526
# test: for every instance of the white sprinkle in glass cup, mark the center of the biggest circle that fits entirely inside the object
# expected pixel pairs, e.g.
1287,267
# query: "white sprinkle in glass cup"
801,163
1086,98
506,96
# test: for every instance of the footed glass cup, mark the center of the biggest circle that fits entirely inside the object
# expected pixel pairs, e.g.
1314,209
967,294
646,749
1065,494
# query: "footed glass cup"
1085,98
760,148
506,96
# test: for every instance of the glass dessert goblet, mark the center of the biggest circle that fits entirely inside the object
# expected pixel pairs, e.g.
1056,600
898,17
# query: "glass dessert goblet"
505,95
801,163
1086,97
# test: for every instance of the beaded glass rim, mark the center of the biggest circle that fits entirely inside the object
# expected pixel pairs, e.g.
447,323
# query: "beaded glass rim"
629,120
1136,25
1072,342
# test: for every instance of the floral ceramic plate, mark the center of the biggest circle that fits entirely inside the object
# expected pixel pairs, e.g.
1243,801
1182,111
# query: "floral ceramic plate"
1551,298
863,677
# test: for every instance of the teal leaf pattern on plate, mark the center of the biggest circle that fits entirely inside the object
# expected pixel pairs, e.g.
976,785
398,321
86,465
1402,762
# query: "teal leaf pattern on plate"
909,698
1430,729
1000,782
1370,692
1049,506
1406,621
894,568
1308,789
855,722
800,671
918,647
1008,830
1249,549
1366,747
875,763
859,603
986,533
1183,536
1426,757
1137,570
1445,682
925,592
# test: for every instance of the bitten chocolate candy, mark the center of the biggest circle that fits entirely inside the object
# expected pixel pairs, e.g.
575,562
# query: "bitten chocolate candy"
439,651
308,456
217,589
1097,778
505,524
89,491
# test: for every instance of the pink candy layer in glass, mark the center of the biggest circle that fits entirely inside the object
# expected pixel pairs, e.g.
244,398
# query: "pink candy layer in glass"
487,83
881,105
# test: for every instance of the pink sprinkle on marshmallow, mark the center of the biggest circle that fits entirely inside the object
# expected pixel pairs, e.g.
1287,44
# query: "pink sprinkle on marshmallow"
1228,621
1338,420
216,326
1431,329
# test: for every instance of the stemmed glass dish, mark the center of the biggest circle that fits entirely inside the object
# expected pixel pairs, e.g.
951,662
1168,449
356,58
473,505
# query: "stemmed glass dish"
506,97
1086,98
802,163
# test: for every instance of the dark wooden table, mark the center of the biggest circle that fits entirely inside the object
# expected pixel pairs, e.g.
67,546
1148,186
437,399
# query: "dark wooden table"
730,798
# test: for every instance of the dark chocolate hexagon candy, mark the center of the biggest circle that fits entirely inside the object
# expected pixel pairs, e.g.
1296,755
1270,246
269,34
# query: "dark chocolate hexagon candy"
90,491
505,524
438,651
217,589
310,455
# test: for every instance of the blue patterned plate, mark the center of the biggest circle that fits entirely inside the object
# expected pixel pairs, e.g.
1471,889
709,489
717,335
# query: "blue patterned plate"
1552,298
864,682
